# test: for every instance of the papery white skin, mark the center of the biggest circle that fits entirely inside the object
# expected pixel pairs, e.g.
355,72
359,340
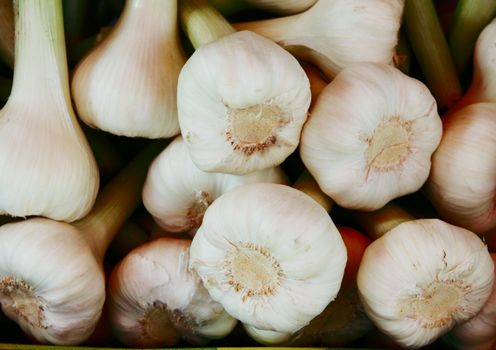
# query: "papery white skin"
127,84
335,140
295,231
47,166
157,273
54,259
462,183
397,267
266,337
177,193
478,333
239,71
336,33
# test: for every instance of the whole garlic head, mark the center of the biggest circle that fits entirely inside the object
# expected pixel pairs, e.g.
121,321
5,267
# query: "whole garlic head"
270,255
242,102
177,193
50,283
462,183
423,277
370,136
155,299
336,33
127,84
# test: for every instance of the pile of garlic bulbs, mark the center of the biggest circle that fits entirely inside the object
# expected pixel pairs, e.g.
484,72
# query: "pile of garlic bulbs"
248,172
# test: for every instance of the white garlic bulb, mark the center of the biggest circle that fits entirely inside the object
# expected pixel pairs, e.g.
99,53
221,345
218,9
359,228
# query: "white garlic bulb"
370,136
155,299
242,102
336,33
127,84
48,168
462,183
50,282
422,277
270,255
177,193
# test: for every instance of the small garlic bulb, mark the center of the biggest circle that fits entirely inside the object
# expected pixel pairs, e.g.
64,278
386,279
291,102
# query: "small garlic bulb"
177,193
336,33
422,277
127,84
462,183
48,168
478,333
155,299
50,282
364,152
242,102
270,255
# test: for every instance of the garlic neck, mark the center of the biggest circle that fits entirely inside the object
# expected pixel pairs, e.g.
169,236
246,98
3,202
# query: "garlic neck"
19,299
40,74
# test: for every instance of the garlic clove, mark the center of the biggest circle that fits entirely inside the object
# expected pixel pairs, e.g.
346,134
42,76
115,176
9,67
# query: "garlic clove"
127,84
422,277
270,255
155,299
242,102
335,34
53,298
177,193
364,152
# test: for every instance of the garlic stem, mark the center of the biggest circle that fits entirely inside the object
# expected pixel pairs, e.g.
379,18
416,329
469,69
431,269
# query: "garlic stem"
432,52
202,23
307,184
116,202
470,18
7,31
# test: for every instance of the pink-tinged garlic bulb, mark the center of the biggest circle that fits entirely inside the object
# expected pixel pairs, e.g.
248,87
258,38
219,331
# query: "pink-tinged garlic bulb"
155,300
336,33
127,84
422,278
177,193
370,136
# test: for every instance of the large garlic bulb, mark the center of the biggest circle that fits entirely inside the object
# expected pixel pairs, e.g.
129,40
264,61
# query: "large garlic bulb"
462,183
127,84
242,102
47,167
423,277
336,33
270,255
177,193
370,136
155,299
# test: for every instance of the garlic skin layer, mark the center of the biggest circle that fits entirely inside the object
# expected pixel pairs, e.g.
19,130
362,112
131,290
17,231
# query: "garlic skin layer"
155,299
370,136
58,301
270,255
127,84
422,277
333,34
462,183
177,193
242,102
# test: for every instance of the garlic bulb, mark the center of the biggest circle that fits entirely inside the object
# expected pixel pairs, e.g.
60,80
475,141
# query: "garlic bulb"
39,133
177,193
155,299
336,33
364,152
270,255
242,102
267,337
462,182
127,84
479,332
51,273
422,277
